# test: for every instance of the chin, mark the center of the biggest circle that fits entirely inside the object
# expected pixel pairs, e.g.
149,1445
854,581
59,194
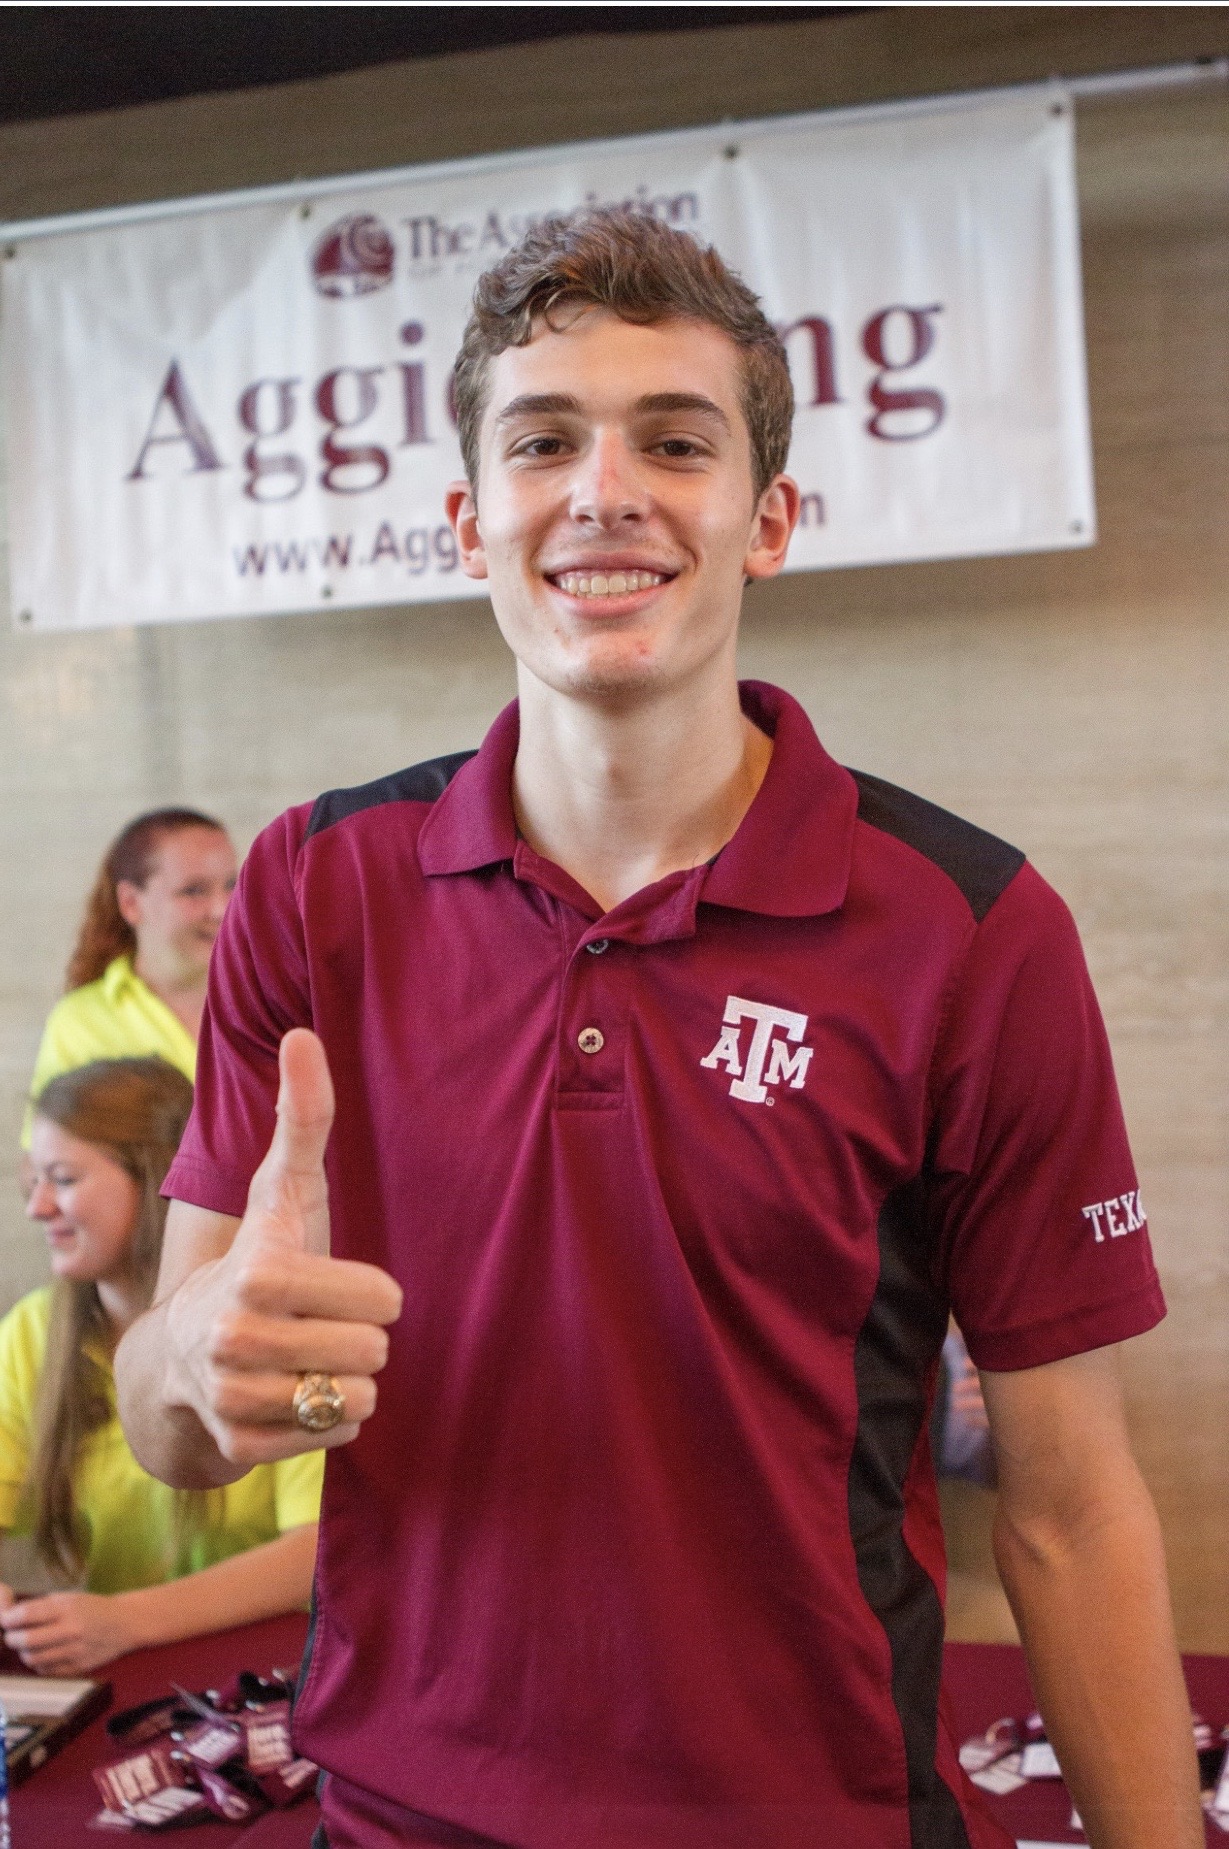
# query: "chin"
607,674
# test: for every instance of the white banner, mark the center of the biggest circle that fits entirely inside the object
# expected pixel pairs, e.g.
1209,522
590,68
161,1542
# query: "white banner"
241,407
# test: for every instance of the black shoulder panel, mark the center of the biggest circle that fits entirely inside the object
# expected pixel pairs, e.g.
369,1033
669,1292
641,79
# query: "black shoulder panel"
421,783
978,863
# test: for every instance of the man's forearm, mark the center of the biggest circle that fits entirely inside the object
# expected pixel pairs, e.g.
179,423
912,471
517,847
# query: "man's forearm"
168,1441
1094,1615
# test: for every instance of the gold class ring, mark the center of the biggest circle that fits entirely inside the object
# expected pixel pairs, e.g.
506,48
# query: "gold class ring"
318,1402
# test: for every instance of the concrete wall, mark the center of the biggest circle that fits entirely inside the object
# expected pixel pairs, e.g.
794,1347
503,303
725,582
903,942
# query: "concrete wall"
1073,702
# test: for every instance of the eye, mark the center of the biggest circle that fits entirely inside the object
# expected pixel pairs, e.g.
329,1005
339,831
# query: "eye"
680,449
540,448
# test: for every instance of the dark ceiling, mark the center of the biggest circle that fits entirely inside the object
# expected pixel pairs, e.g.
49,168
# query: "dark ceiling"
63,60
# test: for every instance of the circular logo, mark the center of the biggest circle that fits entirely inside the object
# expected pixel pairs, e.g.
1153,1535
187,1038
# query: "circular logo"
353,257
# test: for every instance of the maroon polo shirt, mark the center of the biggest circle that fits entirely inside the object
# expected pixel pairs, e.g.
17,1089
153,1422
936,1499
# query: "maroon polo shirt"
641,1547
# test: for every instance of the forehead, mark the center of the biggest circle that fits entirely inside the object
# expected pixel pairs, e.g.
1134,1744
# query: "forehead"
191,850
51,1142
608,364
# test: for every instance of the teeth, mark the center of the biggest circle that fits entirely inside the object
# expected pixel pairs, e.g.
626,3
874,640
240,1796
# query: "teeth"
607,584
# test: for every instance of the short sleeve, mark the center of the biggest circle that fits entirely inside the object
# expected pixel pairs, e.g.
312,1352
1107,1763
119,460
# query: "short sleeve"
1043,1235
258,991
298,1483
23,1343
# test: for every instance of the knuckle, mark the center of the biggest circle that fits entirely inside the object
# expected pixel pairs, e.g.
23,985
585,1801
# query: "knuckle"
260,1279
231,1339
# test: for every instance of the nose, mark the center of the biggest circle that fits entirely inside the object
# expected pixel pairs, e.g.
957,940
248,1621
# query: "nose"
40,1201
608,487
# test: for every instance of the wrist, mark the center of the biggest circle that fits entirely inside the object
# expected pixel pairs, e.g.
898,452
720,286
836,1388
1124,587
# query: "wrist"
133,1616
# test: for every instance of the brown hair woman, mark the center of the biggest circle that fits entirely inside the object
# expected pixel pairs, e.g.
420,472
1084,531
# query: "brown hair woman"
136,976
146,1565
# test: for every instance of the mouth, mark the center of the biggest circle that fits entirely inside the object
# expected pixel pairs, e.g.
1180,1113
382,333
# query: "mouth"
608,586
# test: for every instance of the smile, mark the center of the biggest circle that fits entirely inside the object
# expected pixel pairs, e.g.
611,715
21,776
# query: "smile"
607,583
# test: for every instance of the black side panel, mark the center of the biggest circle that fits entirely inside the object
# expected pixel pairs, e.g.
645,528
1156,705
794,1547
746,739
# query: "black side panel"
421,783
979,863
898,1344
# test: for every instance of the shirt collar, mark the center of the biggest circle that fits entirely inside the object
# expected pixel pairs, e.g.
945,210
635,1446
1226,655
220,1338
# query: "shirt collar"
118,975
790,857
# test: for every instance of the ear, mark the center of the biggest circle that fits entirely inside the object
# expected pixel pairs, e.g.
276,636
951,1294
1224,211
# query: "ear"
128,902
776,516
462,511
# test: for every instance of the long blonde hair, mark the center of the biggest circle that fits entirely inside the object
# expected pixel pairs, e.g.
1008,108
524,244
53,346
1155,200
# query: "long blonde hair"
135,1110
105,934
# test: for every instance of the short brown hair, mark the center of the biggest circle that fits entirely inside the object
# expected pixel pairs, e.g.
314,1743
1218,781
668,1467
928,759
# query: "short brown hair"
625,260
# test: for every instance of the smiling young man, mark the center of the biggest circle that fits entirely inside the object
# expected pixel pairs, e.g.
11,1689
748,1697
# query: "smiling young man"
684,1082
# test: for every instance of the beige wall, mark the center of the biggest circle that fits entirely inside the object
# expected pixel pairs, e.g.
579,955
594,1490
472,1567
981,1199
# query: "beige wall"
1074,702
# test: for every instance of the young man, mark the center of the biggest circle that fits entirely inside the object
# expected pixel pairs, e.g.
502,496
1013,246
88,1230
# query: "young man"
683,1083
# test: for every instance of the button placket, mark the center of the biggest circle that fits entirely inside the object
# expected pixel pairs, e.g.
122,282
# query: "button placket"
591,1060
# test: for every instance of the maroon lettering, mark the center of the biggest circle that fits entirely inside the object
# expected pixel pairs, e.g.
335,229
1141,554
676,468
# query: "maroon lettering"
413,390
189,428
266,411
821,350
367,459
899,403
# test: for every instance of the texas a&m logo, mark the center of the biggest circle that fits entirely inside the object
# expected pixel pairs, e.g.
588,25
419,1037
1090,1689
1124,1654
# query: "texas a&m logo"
770,1055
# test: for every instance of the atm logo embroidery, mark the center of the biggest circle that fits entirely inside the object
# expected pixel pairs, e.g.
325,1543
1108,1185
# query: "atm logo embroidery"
773,1055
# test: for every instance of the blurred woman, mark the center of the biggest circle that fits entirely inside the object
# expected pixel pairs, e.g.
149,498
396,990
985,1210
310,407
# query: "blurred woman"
136,977
155,1564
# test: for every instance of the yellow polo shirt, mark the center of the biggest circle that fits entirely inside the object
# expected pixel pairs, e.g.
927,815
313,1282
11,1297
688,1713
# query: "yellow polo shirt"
116,1017
128,1515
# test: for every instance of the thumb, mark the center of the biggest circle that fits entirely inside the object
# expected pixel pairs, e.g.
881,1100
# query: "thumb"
290,1181
304,1103
304,1106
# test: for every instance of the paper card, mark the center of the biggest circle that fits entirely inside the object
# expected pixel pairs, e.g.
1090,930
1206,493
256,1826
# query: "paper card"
1002,1777
1038,1761
40,1697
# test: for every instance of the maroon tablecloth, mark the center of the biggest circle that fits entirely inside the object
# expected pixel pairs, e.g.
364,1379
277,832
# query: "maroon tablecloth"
984,1682
52,1809
54,1806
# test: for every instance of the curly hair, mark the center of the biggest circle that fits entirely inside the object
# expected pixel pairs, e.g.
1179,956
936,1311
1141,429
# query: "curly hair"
105,934
622,259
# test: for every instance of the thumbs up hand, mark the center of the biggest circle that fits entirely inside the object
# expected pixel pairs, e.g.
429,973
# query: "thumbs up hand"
246,1327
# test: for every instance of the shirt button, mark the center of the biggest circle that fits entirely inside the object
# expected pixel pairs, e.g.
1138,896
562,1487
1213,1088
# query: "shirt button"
590,1039
598,945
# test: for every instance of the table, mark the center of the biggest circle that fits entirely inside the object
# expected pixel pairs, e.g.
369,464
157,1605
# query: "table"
984,1682
53,1807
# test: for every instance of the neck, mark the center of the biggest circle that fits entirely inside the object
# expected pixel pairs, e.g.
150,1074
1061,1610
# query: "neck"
183,994
122,1302
621,796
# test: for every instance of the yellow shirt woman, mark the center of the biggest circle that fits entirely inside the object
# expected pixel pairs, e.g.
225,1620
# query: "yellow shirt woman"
131,1533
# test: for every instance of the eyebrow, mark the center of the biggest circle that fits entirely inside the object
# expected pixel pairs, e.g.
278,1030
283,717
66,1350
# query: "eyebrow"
563,404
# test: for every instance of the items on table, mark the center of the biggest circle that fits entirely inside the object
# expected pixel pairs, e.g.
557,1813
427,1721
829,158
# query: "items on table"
227,1753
